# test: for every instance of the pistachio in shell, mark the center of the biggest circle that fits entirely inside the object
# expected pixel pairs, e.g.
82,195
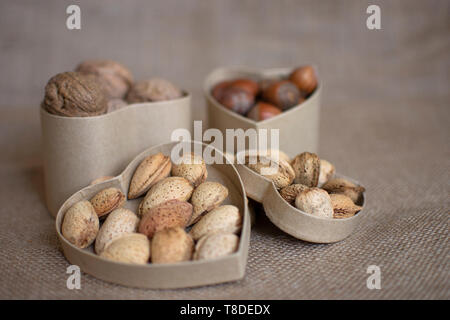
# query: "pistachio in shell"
307,169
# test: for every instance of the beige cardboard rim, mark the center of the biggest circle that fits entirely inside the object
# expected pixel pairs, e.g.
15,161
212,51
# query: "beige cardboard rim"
175,275
293,221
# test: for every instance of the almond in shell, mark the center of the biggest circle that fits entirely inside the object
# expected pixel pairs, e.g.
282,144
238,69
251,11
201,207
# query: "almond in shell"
216,245
191,167
171,245
80,225
206,197
129,248
107,200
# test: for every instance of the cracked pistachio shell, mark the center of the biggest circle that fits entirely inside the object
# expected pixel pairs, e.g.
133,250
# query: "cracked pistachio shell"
291,192
80,225
129,248
152,169
172,245
307,169
316,202
119,222
107,200
284,175
216,245
167,189
327,171
206,197
345,187
222,219
192,167
343,206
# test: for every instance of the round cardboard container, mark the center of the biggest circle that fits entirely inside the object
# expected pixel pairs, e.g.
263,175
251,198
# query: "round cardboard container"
291,220
299,126
176,275
77,150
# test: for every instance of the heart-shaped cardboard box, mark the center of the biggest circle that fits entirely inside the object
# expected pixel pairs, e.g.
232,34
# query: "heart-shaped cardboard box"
298,126
77,150
176,275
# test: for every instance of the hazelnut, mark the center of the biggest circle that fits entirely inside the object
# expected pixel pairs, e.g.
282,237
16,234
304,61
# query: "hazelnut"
248,85
218,89
263,111
283,94
73,94
305,79
114,78
237,99
155,89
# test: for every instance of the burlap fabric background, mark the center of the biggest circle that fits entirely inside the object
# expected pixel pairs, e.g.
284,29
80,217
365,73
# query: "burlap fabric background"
385,122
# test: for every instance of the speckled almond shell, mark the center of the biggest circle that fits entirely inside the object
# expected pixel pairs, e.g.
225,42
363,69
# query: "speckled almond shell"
151,170
167,189
282,178
169,214
291,192
119,222
107,200
307,169
222,219
206,197
345,187
129,248
192,167
80,225
315,201
343,206
216,245
172,245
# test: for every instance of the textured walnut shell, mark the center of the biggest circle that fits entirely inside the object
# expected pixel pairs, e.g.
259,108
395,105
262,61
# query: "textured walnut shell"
172,245
191,167
73,94
167,189
155,89
305,79
114,78
345,187
291,192
343,206
327,171
237,100
152,169
107,200
283,176
216,245
307,169
206,197
119,222
316,202
222,219
263,111
80,225
169,214
129,248
283,94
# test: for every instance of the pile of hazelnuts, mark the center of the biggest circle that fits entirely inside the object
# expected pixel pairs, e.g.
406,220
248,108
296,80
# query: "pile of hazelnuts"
264,99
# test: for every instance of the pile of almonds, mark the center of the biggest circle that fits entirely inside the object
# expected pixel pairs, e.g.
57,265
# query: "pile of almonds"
101,86
308,183
261,100
180,217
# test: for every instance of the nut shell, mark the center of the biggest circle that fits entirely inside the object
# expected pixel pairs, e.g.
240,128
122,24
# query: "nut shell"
291,192
169,214
206,197
345,187
152,169
107,200
155,89
129,248
222,219
343,206
167,189
191,167
283,94
237,100
305,79
263,111
246,84
171,246
116,104
219,88
282,177
316,202
327,171
80,225
216,245
307,169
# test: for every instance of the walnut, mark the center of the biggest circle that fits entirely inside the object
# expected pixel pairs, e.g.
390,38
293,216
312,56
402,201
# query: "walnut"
155,89
114,77
73,94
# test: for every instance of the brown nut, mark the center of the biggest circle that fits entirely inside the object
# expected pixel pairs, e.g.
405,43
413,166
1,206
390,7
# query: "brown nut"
107,200
191,167
152,169
169,214
206,197
345,187
155,89
246,84
307,169
281,172
343,206
216,245
327,171
283,94
80,224
316,202
237,100
291,192
263,111
73,94
305,79
114,78
219,88
172,245
129,248
222,219
167,189
116,104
